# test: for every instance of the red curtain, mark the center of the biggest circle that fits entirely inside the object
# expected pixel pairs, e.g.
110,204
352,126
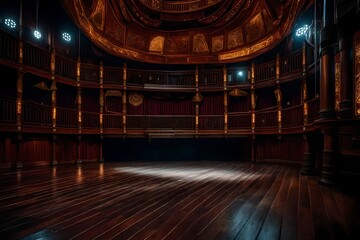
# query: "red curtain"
212,104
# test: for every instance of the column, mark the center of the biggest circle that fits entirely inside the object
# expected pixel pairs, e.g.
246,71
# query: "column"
308,165
327,114
124,98
253,97
346,73
278,93
225,100
304,86
101,114
78,97
19,151
53,89
197,103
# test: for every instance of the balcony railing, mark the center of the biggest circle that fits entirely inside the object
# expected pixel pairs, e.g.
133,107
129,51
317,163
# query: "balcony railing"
313,112
9,46
90,120
291,64
7,110
211,77
36,114
89,73
211,122
239,120
164,122
36,57
266,119
293,116
65,67
265,71
113,75
67,118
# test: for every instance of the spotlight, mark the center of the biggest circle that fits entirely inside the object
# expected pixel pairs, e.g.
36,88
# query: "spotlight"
302,31
10,23
37,34
240,73
66,36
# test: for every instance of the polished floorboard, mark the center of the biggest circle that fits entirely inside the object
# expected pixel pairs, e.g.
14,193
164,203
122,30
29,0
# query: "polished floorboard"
174,200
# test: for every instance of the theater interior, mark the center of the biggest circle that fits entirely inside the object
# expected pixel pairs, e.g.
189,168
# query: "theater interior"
180,119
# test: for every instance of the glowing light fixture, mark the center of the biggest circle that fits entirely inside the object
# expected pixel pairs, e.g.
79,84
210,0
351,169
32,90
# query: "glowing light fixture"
37,34
66,36
240,73
10,23
302,31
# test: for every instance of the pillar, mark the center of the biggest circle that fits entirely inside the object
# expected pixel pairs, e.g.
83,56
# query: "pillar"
346,73
197,103
308,165
101,114
225,100
124,98
327,115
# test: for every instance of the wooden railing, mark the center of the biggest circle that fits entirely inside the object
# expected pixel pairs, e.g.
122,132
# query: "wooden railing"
291,64
65,67
237,76
90,120
7,110
266,119
211,122
112,121
36,57
178,78
239,120
36,114
214,77
9,46
67,118
113,75
293,116
164,122
265,71
89,72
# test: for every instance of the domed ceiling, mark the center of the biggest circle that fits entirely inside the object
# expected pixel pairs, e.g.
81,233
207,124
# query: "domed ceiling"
186,31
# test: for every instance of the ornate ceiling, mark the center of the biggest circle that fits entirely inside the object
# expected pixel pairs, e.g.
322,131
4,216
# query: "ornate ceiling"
186,31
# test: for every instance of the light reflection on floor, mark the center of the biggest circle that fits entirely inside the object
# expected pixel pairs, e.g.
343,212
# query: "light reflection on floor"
192,173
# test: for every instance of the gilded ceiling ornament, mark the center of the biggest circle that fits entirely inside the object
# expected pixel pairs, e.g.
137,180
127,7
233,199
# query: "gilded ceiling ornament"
199,44
255,29
218,43
136,99
98,15
157,44
235,38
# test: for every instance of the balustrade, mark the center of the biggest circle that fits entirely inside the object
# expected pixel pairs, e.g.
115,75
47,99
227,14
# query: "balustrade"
67,118
113,75
36,114
89,72
214,77
239,120
265,71
8,110
36,57
211,122
291,64
65,67
9,46
293,116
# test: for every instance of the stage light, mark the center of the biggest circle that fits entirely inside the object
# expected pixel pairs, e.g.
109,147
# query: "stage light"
66,36
240,73
37,34
10,23
302,31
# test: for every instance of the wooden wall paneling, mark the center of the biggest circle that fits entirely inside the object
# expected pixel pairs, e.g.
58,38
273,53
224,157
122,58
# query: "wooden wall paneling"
265,98
8,81
239,104
89,149
37,150
66,149
90,99
288,148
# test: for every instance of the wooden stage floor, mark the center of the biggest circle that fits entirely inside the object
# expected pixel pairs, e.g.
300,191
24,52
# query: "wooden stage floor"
174,200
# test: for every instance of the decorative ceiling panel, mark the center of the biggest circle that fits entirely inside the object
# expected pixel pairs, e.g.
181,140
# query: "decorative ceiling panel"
197,31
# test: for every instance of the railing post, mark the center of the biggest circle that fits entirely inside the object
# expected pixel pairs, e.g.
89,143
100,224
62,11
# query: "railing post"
53,89
304,86
101,114
278,92
78,97
253,97
124,98
225,100
197,103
